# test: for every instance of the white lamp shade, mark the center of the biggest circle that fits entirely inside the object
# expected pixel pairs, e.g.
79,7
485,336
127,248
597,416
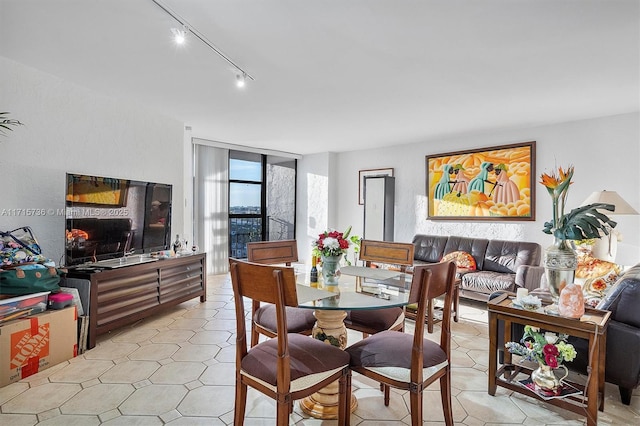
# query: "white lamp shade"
610,197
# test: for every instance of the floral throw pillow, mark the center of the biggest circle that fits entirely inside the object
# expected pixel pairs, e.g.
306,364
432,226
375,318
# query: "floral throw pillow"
597,276
462,259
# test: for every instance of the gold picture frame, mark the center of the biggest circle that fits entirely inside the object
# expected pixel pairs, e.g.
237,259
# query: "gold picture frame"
494,183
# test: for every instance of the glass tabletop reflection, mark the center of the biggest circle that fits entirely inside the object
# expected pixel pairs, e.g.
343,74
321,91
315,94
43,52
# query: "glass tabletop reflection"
358,288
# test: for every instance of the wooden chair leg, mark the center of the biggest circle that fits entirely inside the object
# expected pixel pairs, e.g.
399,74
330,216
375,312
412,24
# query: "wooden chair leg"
415,399
255,336
282,413
456,302
240,404
344,403
430,316
387,392
445,396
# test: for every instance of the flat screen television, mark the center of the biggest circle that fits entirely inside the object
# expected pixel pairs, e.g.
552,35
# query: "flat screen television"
107,218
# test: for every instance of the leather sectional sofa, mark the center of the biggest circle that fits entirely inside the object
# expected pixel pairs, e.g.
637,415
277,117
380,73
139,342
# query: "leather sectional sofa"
623,335
500,265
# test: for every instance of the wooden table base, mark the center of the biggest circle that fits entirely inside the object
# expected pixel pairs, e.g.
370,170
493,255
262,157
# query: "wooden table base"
324,403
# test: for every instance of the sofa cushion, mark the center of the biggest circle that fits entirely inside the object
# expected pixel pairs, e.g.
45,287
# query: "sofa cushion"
506,256
488,281
592,267
596,276
477,247
622,299
462,259
429,248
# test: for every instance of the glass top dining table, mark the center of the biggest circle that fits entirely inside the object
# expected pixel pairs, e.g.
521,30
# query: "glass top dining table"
359,288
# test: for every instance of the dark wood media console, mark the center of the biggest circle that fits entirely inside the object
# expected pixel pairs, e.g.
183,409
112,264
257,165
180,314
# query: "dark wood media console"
124,295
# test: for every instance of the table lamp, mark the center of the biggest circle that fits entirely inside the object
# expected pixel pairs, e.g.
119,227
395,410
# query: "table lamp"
605,248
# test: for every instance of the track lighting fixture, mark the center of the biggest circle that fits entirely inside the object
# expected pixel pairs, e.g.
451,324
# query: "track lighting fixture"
240,80
180,34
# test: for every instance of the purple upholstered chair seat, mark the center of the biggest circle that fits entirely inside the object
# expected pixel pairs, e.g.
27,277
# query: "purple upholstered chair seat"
307,356
374,320
298,319
389,353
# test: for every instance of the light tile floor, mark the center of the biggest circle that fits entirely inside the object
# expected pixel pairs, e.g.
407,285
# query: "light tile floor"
178,368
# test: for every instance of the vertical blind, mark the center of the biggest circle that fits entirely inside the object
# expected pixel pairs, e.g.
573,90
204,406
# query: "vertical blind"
211,212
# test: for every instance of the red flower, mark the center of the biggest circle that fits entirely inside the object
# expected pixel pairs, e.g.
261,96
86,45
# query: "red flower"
551,350
551,361
337,248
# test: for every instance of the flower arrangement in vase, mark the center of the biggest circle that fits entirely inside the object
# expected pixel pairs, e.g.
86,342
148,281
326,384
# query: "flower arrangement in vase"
331,246
549,350
584,222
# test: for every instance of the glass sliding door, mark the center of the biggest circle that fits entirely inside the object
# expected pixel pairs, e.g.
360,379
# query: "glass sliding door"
262,191
246,201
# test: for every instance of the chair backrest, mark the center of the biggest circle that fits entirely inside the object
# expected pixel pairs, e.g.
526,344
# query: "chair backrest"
273,252
429,282
261,283
386,252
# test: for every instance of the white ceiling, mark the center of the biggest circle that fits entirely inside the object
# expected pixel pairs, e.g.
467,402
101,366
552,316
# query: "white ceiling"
342,75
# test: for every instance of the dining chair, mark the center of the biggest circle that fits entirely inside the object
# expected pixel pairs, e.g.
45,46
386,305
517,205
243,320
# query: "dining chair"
290,366
408,362
264,316
379,253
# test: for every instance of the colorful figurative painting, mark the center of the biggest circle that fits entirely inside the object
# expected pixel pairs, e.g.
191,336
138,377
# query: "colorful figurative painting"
494,183
93,190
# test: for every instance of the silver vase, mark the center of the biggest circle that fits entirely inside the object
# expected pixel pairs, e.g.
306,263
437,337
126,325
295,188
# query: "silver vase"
545,380
560,262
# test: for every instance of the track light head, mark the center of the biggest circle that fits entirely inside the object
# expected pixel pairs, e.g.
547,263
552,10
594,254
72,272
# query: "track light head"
241,79
180,34
180,37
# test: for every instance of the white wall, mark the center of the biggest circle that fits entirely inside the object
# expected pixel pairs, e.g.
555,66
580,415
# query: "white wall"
312,206
71,129
605,152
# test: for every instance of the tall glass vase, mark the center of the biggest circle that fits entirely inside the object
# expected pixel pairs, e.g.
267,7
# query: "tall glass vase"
331,269
560,262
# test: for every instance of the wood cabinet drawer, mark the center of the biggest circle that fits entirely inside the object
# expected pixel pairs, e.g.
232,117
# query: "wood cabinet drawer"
128,294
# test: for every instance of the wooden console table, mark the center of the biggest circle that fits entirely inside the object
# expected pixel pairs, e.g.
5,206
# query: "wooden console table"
124,295
592,326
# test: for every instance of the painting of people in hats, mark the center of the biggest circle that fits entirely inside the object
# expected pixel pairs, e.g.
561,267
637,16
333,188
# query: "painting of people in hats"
461,185
506,191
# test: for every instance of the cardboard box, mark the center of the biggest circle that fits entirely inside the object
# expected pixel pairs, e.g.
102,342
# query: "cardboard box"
33,344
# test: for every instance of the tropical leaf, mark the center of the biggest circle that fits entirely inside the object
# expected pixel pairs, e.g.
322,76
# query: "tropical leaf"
583,222
6,123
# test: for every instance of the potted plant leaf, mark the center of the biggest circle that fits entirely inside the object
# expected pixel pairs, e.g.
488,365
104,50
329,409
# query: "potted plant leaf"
7,123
